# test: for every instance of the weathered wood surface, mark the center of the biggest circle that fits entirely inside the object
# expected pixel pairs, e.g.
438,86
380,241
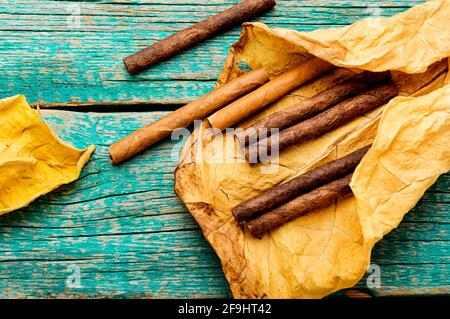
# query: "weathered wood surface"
123,226
132,237
50,58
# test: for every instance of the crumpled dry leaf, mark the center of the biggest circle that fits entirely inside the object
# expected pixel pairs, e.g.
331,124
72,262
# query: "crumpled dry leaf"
329,249
411,150
33,160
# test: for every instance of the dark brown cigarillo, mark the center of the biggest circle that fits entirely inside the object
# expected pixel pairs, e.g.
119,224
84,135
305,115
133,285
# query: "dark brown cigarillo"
322,123
311,106
161,50
282,193
318,198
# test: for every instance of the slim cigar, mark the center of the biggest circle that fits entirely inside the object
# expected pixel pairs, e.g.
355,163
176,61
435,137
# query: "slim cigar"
318,198
311,106
198,109
244,11
268,93
282,193
324,122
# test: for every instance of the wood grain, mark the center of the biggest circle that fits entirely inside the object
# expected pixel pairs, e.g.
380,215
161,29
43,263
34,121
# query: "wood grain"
52,60
132,237
123,226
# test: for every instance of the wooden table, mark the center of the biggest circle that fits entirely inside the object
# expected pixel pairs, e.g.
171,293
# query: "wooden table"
122,229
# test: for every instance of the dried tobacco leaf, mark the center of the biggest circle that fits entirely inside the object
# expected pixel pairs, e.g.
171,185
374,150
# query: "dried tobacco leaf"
329,249
33,160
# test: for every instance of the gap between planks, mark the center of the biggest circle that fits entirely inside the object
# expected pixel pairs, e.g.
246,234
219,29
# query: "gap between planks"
109,107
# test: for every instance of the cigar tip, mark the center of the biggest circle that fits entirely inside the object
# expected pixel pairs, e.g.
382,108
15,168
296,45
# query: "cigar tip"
112,160
238,216
130,66
235,214
112,157
254,231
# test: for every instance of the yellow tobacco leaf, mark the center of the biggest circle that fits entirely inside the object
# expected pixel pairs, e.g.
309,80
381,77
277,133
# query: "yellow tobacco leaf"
328,249
411,150
33,160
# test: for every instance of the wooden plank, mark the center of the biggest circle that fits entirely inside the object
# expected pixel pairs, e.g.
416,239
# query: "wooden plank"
132,237
51,60
409,280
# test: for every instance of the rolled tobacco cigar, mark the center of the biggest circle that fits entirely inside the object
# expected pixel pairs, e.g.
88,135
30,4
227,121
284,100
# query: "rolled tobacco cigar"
282,193
324,122
268,93
317,198
182,117
310,106
243,11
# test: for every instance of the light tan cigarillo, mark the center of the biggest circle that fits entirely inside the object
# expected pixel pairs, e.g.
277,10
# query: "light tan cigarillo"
183,117
268,93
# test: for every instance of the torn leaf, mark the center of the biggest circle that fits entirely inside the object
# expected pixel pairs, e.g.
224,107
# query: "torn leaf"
33,160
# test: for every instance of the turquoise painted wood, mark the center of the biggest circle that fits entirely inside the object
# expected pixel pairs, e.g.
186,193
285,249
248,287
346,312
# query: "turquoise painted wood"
123,227
52,59
132,237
